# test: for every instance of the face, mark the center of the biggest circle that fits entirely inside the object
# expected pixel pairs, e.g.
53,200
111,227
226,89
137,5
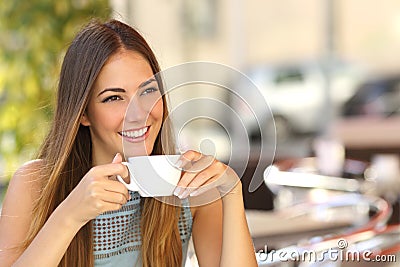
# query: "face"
125,110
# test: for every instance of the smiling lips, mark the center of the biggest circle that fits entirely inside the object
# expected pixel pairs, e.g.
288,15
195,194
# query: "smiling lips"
135,135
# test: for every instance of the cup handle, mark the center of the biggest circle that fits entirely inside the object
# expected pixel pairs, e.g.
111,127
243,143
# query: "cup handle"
132,185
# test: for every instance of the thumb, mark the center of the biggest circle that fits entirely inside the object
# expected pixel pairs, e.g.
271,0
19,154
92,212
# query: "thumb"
117,158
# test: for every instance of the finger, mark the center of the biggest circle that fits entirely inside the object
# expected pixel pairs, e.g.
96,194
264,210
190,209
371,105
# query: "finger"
117,187
195,164
209,176
201,169
211,184
186,160
186,178
201,164
110,169
117,158
109,206
185,163
113,197
190,172
195,168
202,178
191,155
198,183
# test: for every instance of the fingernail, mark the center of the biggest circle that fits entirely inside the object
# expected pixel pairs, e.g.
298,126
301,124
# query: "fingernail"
194,193
177,191
184,194
115,157
183,148
179,164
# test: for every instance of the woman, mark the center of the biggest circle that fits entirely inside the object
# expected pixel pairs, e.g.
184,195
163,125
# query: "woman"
66,209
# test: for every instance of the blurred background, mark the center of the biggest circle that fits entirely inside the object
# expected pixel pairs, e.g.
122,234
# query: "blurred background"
328,69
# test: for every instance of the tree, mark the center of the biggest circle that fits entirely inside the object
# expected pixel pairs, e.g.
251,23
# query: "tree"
33,37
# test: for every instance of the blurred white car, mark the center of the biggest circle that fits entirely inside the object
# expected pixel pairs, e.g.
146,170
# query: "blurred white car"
296,94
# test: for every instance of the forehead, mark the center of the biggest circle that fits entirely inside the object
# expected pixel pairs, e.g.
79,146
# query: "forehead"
124,69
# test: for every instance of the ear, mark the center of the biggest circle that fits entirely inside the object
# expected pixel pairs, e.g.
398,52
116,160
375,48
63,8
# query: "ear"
85,120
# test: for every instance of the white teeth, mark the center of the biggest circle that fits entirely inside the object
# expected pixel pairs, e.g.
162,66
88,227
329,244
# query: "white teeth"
134,134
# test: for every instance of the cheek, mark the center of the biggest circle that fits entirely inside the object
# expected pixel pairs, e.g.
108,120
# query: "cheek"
107,118
157,111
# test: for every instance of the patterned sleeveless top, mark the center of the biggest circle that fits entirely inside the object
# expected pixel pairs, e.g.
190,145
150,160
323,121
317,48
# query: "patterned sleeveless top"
117,237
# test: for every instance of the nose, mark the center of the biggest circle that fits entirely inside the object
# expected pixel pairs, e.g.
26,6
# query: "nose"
135,111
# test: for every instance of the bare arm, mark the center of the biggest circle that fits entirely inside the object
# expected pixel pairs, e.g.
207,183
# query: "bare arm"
50,244
220,232
16,217
92,196
16,213
207,233
237,249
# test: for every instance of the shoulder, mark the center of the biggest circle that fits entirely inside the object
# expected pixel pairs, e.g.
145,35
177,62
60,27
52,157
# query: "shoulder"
25,187
30,167
26,179
29,171
16,212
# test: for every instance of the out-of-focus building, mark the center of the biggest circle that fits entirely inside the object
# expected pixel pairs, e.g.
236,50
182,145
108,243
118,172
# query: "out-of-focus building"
247,34
238,32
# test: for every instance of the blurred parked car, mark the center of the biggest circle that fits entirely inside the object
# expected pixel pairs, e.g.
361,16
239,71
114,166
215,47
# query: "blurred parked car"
371,119
295,93
375,97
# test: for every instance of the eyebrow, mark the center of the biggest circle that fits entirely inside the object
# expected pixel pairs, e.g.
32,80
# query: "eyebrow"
143,84
120,90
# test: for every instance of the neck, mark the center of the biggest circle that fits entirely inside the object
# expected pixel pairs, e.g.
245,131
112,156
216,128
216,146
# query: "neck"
99,158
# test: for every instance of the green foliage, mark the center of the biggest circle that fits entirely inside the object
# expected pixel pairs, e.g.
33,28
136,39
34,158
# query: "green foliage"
33,37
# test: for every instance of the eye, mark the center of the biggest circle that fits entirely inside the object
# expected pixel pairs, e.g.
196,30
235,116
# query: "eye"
111,98
149,90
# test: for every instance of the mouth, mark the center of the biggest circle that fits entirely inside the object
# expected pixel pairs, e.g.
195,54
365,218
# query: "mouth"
135,135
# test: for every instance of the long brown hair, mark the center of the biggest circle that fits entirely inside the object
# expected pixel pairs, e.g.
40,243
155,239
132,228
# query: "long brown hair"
66,151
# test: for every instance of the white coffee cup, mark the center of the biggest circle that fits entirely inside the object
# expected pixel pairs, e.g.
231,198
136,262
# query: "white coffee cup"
153,176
